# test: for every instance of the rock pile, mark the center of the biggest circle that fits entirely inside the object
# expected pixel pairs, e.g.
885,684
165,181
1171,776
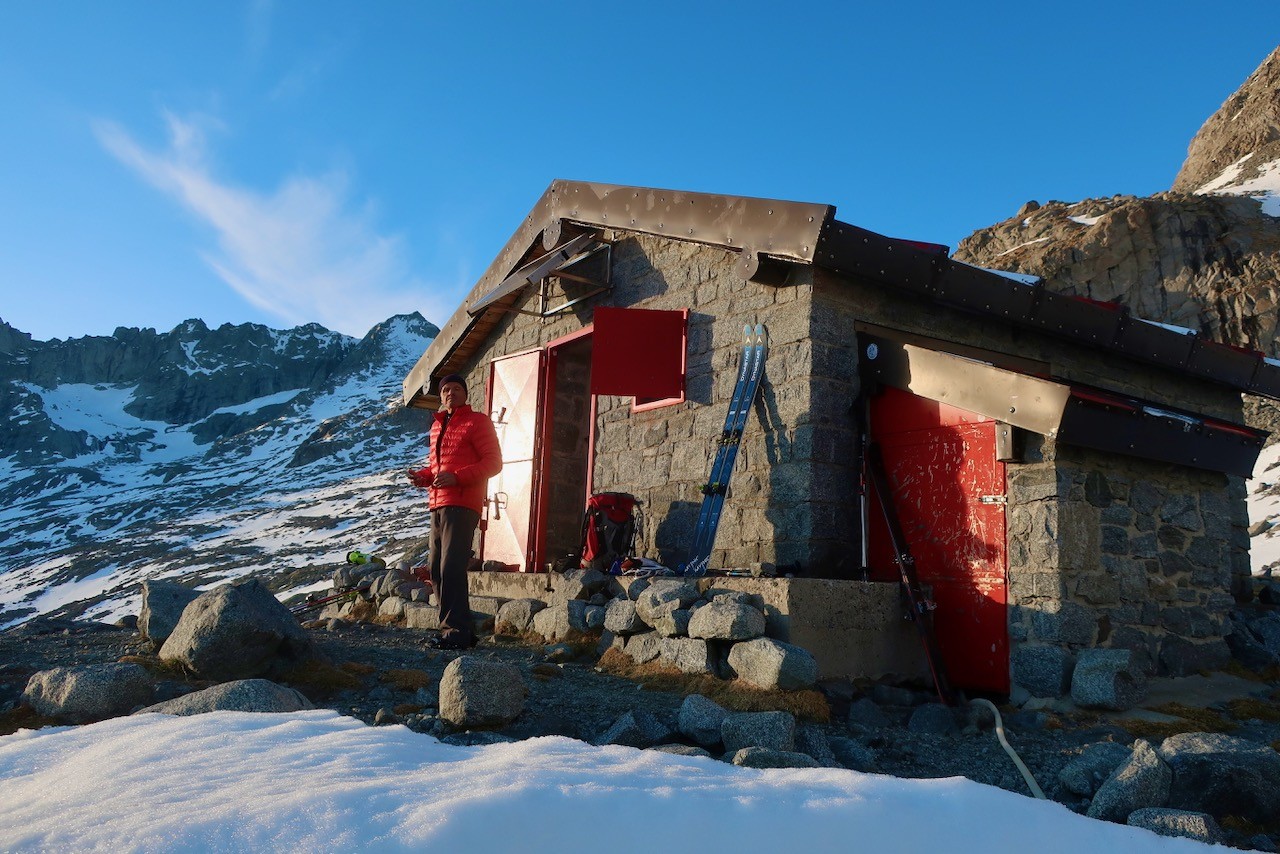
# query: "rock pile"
669,621
704,728
1181,786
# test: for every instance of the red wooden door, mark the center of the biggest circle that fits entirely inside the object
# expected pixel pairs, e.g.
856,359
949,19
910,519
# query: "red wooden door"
948,491
515,392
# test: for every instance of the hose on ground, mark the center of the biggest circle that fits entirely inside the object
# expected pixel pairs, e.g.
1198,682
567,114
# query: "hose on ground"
1017,760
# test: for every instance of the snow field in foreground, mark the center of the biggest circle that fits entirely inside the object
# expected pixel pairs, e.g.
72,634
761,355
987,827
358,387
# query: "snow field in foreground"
323,782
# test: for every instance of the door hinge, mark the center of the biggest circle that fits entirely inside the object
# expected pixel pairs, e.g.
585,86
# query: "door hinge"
993,499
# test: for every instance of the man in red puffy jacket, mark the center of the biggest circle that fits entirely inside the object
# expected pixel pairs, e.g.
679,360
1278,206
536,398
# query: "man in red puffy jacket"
462,456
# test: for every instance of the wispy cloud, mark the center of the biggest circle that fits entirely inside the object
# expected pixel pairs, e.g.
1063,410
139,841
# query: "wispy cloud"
302,253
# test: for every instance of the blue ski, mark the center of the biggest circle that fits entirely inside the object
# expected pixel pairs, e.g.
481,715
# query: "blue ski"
736,421
717,465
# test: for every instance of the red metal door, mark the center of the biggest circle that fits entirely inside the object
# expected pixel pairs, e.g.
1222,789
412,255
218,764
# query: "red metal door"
515,398
948,491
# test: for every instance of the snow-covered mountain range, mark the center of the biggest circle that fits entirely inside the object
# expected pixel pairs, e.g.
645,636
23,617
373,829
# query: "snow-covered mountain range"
199,456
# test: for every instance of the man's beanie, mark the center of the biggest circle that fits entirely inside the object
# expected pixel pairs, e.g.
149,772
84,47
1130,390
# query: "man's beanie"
453,378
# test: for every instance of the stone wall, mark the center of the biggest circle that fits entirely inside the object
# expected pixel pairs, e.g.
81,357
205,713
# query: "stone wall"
664,455
1111,551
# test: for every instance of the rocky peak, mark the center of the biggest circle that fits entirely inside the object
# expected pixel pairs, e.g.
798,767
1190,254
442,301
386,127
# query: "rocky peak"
1209,263
1240,143
1205,256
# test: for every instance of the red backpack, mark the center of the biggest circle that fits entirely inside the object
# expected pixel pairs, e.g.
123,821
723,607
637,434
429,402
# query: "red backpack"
608,529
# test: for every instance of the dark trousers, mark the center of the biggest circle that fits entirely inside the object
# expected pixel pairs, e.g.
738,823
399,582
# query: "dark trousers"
452,532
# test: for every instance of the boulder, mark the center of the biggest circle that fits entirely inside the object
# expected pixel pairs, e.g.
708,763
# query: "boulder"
393,607
812,741
1246,648
162,605
644,647
700,719
517,615
631,588
477,739
244,695
672,622
933,718
892,695
776,730
1223,775
89,692
771,664
741,597
1266,627
687,655
561,620
636,728
578,584
418,615
1170,822
1141,781
388,583
593,616
479,692
661,593
866,714
852,754
764,757
1083,775
725,619
237,631
1042,669
1108,679
621,618
680,750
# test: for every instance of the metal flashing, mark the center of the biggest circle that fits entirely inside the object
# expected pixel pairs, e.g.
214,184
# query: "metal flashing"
1074,415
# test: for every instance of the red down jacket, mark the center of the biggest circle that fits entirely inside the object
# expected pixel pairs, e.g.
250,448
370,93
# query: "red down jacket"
469,449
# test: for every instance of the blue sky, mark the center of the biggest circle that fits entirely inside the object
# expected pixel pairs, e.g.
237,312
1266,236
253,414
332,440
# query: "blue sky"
287,162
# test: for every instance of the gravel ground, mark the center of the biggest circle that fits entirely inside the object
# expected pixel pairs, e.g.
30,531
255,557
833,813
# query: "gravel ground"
573,698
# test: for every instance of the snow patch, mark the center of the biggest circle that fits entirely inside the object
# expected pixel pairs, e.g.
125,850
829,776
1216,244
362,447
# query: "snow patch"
258,403
1020,245
1264,187
1086,220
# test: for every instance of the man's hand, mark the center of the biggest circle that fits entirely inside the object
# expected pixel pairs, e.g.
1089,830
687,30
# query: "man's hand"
418,477
445,478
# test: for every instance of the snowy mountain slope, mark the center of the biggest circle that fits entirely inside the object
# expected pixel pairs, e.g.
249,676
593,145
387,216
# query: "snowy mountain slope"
97,494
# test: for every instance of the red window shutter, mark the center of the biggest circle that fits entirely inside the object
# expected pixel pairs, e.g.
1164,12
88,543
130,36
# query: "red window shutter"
638,352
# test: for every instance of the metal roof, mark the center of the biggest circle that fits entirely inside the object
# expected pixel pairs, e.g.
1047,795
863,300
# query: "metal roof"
808,234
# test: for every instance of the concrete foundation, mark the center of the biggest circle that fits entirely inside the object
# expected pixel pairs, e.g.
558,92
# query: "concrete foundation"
852,628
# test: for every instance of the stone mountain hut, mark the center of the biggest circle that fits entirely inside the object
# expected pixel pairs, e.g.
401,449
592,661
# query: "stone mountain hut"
1067,475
